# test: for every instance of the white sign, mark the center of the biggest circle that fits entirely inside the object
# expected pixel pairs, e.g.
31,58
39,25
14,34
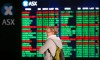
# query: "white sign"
29,3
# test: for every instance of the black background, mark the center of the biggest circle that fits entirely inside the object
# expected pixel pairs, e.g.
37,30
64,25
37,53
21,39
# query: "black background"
10,35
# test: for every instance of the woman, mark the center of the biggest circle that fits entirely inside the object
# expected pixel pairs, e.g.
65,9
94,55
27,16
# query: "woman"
49,44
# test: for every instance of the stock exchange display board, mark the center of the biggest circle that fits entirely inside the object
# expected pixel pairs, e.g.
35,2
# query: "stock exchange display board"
77,22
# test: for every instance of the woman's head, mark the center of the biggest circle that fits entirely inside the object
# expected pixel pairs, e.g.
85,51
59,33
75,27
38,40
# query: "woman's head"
51,30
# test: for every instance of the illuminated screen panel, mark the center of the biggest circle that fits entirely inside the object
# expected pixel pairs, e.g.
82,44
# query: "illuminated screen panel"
78,30
87,33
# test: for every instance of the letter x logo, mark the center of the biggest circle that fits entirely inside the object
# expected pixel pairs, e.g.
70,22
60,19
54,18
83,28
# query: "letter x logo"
8,10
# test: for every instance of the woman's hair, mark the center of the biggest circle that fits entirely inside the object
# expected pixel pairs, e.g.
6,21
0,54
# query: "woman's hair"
53,29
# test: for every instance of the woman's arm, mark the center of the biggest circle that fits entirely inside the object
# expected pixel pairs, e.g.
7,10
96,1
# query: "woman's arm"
45,46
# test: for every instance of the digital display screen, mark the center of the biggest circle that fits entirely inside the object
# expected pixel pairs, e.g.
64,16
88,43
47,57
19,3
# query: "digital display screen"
78,25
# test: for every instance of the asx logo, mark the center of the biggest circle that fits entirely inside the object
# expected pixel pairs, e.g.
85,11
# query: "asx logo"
7,9
29,3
